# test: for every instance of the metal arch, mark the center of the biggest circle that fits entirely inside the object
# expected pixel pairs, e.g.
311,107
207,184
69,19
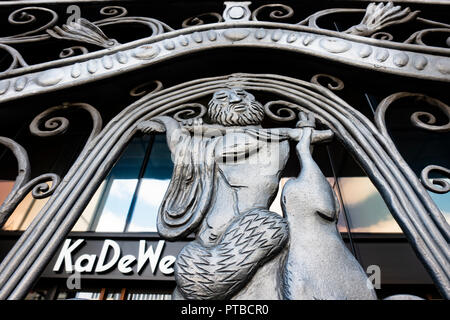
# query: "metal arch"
37,245
402,59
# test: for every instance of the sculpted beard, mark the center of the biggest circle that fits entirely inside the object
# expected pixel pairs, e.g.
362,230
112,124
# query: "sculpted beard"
224,114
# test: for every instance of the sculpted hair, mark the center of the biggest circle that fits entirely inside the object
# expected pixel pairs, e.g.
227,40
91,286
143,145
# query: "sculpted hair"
226,116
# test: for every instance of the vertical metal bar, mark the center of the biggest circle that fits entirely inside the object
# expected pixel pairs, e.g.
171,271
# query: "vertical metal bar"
369,101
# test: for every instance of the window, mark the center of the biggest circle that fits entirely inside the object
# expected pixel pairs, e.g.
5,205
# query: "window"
129,198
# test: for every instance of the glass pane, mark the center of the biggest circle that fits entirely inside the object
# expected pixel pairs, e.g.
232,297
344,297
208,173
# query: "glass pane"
85,221
443,202
87,295
365,207
120,187
25,212
153,187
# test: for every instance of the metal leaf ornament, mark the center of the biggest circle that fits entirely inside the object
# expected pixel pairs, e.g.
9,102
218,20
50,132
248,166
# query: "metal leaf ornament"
82,30
379,16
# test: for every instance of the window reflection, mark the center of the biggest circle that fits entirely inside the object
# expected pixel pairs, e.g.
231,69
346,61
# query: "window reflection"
153,187
114,214
442,201
365,207
129,198
114,204
25,212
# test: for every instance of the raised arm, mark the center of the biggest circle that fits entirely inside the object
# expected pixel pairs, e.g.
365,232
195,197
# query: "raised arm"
163,124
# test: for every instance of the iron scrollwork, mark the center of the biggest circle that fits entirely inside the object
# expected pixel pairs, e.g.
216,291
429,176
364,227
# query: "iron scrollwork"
80,30
146,88
434,185
23,185
58,125
237,234
355,131
39,185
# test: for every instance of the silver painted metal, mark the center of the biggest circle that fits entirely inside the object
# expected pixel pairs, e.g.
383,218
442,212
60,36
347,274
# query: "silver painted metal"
335,84
380,16
389,146
40,189
402,191
236,11
81,30
282,11
236,233
435,185
198,20
59,125
376,18
142,89
23,185
387,56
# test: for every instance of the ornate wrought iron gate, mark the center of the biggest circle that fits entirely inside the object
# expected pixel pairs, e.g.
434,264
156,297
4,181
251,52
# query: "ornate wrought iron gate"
364,46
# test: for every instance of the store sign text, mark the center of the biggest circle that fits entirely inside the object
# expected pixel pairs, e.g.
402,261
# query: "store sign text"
110,257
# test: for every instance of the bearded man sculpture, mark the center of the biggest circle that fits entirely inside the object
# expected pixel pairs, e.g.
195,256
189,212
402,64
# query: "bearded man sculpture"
226,175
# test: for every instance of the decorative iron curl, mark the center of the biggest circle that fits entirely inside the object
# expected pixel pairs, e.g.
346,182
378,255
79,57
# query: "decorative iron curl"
22,186
114,11
437,185
69,52
382,36
415,117
290,114
334,84
17,59
40,187
431,119
21,16
430,184
187,111
417,37
143,88
197,20
58,125
282,12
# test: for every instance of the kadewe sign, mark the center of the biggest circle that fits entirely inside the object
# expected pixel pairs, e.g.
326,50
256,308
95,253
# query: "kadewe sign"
115,259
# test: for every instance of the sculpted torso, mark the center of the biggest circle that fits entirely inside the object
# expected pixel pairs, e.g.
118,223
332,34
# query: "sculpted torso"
226,175
256,188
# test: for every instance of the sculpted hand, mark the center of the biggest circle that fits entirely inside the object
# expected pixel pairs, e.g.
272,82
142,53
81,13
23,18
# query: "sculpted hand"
306,126
192,122
150,126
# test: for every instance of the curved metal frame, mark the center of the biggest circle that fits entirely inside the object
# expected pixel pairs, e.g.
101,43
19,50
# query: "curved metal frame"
402,59
404,196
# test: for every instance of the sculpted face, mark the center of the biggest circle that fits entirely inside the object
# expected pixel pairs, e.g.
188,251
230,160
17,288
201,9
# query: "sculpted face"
235,107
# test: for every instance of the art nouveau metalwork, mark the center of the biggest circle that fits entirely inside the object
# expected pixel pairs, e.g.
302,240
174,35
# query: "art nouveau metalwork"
370,144
236,233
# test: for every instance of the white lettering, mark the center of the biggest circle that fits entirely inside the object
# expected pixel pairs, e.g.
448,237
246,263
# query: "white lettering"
101,266
90,258
124,263
150,255
165,265
66,255
110,256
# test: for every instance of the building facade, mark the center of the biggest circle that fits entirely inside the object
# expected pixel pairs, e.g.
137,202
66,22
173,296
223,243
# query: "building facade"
81,184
